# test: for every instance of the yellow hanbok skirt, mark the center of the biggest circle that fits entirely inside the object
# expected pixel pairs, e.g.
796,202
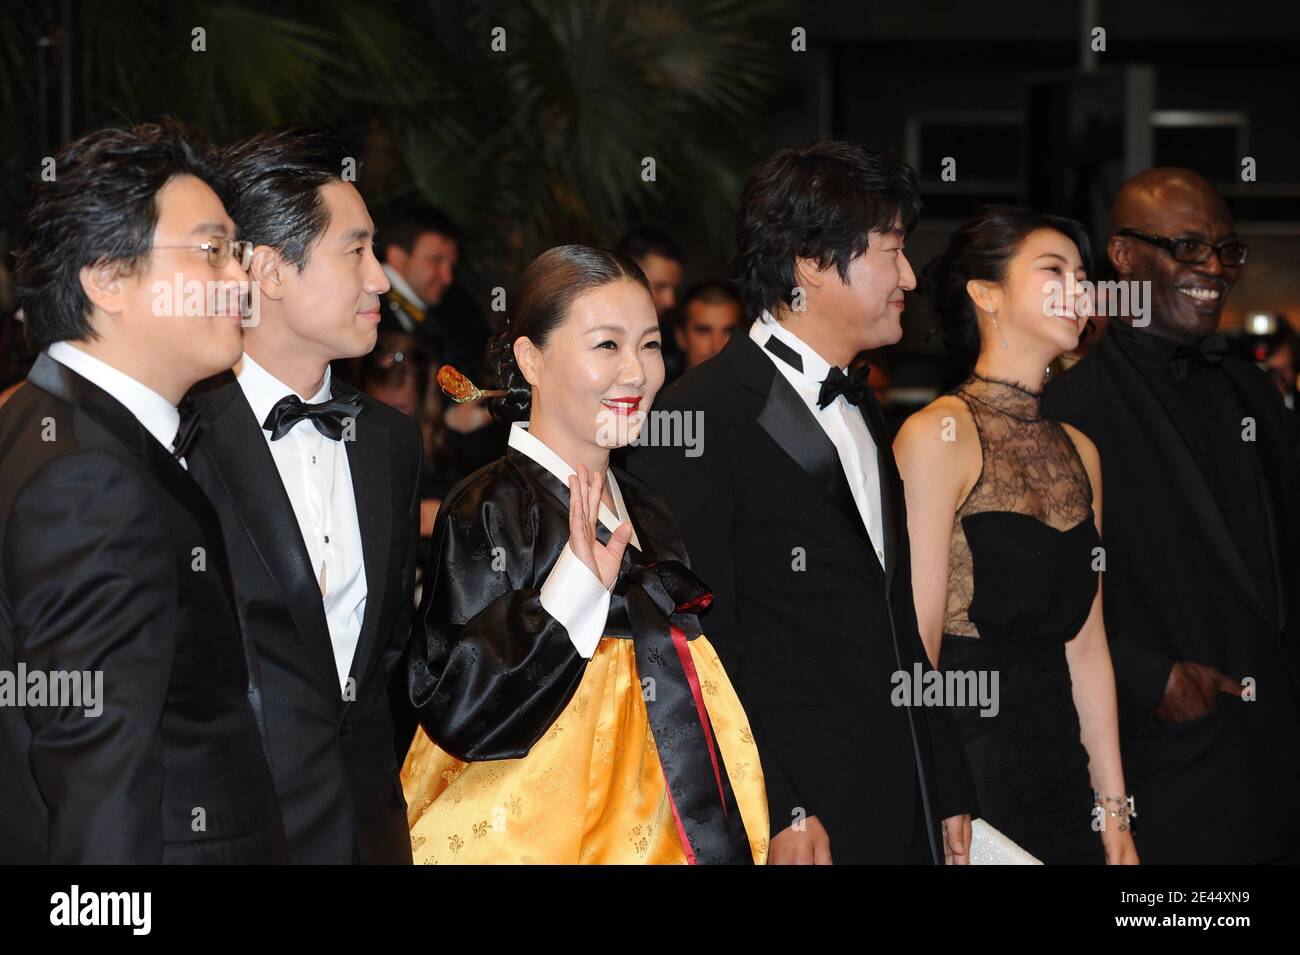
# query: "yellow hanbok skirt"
591,790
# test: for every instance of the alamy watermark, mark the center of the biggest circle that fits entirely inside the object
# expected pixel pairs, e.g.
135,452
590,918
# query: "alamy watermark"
924,687
1124,299
74,689
179,298
655,429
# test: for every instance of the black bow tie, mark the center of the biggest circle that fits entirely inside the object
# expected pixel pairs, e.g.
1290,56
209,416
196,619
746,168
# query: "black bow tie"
329,417
192,424
1209,351
852,386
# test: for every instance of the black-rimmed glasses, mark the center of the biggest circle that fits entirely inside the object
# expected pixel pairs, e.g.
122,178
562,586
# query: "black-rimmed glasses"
1231,252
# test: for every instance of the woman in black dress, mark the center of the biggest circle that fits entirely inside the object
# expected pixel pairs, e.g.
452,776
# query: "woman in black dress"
1004,517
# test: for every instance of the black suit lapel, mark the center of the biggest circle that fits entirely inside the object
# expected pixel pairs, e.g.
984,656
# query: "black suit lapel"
234,448
370,459
114,417
1184,473
786,419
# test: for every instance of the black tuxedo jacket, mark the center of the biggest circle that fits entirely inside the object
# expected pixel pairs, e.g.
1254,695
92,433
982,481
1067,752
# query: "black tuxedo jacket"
112,561
333,759
1177,588
808,625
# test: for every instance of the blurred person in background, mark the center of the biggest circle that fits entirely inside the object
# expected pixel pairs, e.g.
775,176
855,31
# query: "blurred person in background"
710,314
660,257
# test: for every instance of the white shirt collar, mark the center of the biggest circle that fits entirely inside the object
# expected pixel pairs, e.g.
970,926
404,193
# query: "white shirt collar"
815,367
158,415
532,447
403,287
263,389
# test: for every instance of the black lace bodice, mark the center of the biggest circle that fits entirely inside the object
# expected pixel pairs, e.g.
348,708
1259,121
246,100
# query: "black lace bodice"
1030,470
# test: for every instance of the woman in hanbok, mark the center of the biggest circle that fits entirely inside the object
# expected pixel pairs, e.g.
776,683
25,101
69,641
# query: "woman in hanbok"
571,709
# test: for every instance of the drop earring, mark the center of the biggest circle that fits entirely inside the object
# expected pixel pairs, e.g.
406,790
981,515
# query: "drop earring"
994,315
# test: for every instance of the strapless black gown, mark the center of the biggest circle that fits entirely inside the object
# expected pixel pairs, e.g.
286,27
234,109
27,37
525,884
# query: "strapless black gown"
1026,586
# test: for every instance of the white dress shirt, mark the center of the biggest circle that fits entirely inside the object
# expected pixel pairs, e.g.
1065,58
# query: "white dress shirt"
572,594
842,422
158,415
315,473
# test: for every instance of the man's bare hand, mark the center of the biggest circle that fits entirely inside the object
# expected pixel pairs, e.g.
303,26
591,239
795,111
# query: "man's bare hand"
1192,691
811,846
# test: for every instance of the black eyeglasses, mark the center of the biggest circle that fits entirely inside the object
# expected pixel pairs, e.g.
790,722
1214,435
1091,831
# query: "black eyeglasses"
219,250
1231,252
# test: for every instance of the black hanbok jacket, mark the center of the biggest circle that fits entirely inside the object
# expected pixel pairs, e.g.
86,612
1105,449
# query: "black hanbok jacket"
490,670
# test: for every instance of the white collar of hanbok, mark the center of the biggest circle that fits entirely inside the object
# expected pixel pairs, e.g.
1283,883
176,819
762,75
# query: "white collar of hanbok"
535,449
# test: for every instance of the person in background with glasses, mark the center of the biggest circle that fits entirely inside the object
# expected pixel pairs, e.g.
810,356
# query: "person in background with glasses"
1202,539
112,569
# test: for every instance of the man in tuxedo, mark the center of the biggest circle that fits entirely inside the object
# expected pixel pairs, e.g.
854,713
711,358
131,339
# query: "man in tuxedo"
792,511
317,488
1202,538
112,564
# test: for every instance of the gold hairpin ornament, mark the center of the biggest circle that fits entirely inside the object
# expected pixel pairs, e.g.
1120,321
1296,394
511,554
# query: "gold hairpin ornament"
460,389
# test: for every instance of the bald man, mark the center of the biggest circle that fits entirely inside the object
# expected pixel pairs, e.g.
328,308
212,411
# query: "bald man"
1202,538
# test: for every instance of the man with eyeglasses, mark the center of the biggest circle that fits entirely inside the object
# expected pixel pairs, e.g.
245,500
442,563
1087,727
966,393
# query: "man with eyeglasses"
144,746
1202,539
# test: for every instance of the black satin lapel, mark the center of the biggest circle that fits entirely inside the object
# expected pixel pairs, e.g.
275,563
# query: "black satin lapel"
891,485
114,417
233,446
370,461
1185,474
792,426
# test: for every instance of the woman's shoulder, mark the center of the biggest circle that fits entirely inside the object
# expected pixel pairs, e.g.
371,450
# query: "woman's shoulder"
1081,440
943,427
501,485
1087,450
939,448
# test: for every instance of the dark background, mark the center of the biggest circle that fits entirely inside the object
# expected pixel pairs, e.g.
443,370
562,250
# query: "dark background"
544,142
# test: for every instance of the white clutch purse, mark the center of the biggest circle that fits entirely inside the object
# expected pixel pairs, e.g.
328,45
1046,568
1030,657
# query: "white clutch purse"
990,847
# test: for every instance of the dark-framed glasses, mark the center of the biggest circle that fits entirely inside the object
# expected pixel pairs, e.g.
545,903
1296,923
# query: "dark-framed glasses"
219,249
1231,252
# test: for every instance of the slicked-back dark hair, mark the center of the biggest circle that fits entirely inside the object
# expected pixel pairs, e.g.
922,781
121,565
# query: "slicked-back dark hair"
406,228
276,176
818,202
101,207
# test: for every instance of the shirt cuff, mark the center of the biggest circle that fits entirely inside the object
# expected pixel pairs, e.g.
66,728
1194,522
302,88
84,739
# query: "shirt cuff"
574,596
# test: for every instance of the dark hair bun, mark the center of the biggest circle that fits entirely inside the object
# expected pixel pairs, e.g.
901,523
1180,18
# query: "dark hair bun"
517,402
943,283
